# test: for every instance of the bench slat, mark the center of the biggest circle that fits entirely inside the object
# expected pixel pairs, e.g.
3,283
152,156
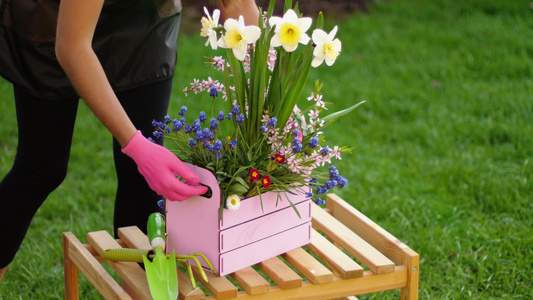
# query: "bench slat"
354,244
334,257
130,272
280,273
367,229
312,269
220,287
251,281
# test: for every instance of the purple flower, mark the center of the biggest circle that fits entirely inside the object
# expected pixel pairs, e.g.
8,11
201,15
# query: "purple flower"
272,122
183,110
161,203
208,145
324,151
213,92
217,146
158,134
229,116
321,190
263,128
240,119
151,139
297,148
313,142
333,172
203,116
295,132
236,110
188,128
313,181
330,184
168,120
309,195
208,135
220,116
214,124
200,136
196,126
319,201
341,182
155,124
177,125
232,144
192,142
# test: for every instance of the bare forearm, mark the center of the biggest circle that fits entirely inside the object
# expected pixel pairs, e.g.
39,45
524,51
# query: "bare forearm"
76,24
87,76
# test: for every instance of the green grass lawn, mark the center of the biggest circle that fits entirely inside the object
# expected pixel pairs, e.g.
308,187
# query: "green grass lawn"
443,147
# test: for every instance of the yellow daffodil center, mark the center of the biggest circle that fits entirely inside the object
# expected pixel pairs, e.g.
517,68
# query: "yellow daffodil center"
289,34
233,38
331,51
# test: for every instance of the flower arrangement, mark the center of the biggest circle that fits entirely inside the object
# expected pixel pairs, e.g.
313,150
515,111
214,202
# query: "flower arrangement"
263,142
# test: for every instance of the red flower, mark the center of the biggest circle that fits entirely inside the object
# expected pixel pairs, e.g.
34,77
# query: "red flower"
254,175
266,181
279,158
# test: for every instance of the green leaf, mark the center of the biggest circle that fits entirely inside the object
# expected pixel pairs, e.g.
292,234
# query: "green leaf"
329,119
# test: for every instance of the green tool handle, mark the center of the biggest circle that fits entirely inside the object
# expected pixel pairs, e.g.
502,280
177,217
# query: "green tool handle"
156,230
126,254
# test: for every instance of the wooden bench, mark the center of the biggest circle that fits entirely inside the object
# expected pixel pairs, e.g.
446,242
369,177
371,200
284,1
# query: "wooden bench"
320,270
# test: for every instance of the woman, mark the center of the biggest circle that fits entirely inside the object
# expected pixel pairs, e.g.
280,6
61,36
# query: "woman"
119,57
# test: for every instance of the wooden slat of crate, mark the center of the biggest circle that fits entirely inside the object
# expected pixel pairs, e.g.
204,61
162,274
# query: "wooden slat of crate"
280,273
334,257
354,244
130,272
312,269
251,281
133,237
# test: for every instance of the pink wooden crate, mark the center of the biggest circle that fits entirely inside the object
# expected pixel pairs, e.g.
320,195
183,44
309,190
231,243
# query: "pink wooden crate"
243,237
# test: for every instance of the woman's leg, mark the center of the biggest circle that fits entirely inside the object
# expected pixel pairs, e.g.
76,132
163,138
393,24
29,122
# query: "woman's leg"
44,137
135,201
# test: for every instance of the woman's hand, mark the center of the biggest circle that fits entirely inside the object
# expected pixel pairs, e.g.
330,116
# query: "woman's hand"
158,166
235,8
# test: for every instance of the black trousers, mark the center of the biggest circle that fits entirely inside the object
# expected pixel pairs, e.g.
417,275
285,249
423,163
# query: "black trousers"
45,131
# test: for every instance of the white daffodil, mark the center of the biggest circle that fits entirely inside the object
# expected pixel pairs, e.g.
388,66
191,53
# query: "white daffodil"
208,25
327,47
233,202
290,30
238,36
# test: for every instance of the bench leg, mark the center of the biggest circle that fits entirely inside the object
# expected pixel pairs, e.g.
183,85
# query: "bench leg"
412,261
70,270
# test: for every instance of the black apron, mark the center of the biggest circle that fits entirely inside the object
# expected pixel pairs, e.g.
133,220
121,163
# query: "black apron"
135,41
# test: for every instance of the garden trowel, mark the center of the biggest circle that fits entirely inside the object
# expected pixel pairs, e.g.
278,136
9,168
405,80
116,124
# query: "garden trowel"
161,270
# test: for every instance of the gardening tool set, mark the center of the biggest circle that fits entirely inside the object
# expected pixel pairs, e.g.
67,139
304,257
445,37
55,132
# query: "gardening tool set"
161,268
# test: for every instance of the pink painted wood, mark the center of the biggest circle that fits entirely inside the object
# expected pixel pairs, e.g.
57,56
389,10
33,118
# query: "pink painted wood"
243,237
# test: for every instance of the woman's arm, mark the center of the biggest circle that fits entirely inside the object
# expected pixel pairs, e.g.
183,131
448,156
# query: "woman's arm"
234,8
75,29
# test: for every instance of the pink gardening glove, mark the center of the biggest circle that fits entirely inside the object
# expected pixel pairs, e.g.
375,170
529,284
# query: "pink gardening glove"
158,166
